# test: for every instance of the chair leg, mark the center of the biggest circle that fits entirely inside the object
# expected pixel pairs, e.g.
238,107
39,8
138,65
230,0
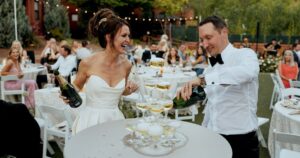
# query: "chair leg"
261,138
272,99
45,143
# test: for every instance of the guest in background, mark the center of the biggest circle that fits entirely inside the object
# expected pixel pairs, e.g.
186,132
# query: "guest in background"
245,43
287,68
173,58
75,46
272,48
163,48
199,60
147,54
12,67
82,52
23,53
65,63
50,53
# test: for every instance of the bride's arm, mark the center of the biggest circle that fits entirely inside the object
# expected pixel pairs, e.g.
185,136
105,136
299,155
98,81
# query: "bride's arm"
81,75
130,86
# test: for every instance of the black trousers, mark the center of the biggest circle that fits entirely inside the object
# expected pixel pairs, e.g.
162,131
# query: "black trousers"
20,133
244,145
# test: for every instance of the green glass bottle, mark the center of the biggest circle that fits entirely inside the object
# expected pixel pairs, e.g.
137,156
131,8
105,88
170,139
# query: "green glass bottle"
198,94
68,91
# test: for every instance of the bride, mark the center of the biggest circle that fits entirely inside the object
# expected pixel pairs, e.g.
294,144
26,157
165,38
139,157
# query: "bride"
104,74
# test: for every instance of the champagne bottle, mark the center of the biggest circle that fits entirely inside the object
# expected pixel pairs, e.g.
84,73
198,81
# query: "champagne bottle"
198,94
68,91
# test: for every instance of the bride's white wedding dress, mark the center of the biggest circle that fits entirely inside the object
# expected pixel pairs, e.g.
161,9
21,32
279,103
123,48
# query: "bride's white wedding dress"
101,103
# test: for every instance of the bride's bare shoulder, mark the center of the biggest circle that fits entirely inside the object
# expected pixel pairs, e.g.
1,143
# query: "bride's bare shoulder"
87,62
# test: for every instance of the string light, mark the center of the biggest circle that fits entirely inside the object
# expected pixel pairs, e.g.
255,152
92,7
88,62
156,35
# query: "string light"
143,19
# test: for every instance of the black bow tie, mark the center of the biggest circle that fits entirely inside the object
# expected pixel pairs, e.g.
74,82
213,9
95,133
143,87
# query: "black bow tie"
217,59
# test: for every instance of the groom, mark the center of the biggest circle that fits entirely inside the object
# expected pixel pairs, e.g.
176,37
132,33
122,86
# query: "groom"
231,86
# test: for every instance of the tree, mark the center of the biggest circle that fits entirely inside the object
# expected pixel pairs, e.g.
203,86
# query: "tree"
56,20
7,25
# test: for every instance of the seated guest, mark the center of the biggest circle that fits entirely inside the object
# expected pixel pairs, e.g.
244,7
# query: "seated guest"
163,48
148,53
13,67
245,43
173,58
20,133
199,60
181,51
75,46
288,69
82,52
272,48
23,52
50,53
65,63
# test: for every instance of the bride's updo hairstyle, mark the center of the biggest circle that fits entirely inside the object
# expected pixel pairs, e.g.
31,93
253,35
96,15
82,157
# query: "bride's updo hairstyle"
104,22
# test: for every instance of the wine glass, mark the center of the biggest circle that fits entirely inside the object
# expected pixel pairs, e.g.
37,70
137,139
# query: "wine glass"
51,82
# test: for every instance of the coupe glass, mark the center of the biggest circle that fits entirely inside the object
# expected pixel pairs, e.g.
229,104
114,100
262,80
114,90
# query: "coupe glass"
168,105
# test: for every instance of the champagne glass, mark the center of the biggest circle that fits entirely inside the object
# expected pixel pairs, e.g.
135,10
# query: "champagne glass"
143,107
156,108
168,105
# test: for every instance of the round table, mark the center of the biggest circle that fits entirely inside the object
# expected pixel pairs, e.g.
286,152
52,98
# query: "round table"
282,121
105,141
50,97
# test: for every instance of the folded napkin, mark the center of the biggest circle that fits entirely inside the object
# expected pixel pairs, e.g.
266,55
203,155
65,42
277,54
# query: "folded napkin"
295,112
292,104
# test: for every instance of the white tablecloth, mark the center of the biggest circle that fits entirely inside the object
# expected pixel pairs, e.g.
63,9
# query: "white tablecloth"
105,141
50,97
168,75
284,122
33,71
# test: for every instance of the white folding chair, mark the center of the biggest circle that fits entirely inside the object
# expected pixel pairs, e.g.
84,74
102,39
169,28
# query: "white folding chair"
276,91
280,83
261,121
58,122
294,84
290,93
7,92
285,138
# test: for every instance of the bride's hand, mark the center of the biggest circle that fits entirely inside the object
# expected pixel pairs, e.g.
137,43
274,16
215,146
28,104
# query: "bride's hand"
64,98
130,88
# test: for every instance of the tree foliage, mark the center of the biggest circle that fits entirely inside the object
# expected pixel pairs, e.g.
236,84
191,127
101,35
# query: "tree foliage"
276,17
56,20
7,25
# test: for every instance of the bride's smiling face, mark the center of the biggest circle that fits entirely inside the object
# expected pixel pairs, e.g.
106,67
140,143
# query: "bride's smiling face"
122,39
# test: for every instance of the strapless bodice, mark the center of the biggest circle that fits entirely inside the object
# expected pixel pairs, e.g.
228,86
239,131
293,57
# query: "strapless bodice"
100,95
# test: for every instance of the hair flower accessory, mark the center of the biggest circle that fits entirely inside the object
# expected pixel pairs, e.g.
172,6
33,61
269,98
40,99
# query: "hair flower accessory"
102,20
